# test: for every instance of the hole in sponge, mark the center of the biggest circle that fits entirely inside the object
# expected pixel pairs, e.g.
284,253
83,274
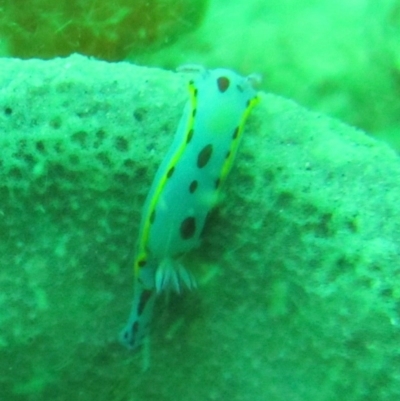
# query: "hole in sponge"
8,111
81,138
140,114
104,159
121,144
55,123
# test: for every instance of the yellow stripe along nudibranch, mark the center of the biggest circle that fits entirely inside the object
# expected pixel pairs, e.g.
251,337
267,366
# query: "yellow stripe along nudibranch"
185,188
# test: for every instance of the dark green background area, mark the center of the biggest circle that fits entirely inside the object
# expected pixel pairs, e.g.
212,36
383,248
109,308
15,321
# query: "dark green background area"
338,57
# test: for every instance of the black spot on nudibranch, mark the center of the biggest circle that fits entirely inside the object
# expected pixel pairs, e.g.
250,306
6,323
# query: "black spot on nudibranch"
135,328
152,216
142,263
188,227
204,156
240,88
189,136
143,301
235,133
170,172
193,186
217,183
223,84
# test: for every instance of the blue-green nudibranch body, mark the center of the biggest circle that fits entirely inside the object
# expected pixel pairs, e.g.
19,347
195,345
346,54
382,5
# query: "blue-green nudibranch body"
185,188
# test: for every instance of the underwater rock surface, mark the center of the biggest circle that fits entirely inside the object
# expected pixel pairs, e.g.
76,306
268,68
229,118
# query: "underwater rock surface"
299,273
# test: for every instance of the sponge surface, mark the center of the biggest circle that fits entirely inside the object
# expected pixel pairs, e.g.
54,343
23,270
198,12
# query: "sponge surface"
298,272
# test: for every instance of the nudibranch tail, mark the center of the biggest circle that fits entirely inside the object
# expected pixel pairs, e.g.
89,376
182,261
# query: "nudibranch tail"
137,327
170,275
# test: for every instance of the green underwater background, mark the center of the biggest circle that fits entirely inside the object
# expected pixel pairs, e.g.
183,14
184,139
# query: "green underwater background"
299,270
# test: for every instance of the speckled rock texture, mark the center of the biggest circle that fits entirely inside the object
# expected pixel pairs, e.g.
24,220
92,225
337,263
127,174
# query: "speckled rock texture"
299,270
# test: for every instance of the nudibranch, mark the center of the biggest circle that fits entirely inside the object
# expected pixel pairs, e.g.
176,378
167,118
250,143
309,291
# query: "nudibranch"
185,188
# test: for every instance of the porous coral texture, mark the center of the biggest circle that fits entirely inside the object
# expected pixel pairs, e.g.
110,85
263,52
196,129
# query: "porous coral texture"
298,273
